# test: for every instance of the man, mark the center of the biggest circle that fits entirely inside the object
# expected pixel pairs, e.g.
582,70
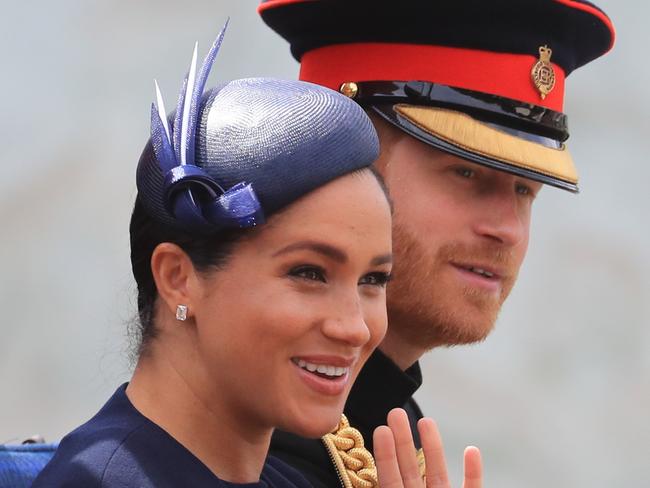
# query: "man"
467,99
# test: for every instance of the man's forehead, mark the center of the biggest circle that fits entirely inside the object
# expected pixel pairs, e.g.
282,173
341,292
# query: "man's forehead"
426,154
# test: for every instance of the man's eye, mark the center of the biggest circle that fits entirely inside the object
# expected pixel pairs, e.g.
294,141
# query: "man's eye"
310,273
523,189
375,279
465,172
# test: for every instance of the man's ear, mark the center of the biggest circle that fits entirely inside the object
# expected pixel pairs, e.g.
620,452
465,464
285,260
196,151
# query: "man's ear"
175,277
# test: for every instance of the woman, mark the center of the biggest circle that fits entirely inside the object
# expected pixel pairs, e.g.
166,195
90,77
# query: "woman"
260,244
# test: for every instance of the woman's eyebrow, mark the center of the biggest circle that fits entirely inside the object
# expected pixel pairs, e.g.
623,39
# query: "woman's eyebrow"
326,250
383,259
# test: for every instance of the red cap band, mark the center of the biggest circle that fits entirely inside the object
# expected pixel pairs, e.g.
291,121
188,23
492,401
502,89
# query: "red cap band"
503,74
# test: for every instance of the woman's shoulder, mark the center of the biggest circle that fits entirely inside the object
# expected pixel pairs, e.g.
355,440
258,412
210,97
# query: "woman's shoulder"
85,456
120,447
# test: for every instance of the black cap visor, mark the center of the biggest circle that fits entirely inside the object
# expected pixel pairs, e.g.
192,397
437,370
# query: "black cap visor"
505,134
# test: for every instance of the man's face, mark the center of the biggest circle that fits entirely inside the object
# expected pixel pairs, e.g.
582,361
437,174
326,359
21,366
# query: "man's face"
460,235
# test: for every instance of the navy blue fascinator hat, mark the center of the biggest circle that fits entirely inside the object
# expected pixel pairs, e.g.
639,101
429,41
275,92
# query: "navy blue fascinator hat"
233,156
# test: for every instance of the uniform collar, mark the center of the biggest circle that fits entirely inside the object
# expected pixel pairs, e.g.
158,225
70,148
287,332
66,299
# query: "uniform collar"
380,387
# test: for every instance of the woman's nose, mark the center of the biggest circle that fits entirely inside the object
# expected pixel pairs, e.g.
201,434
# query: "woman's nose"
346,323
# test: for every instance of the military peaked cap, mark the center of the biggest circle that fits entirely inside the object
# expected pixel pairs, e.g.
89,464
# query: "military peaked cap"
481,79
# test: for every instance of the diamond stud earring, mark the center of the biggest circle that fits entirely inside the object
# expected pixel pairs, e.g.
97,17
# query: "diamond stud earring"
181,312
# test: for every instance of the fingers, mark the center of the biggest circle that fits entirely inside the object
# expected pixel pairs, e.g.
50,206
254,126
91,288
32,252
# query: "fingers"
398,423
436,466
395,455
386,459
473,468
397,465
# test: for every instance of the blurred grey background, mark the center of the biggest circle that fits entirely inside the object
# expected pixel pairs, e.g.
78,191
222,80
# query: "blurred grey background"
558,395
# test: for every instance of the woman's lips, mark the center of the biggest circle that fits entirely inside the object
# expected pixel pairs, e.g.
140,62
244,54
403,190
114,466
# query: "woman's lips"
327,375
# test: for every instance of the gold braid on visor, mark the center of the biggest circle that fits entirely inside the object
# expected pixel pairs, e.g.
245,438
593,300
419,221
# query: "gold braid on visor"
465,132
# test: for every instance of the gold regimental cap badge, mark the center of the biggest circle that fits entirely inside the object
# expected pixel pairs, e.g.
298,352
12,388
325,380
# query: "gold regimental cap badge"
542,73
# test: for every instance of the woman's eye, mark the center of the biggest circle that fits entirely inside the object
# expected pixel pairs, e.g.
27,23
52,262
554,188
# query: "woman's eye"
375,279
310,273
465,172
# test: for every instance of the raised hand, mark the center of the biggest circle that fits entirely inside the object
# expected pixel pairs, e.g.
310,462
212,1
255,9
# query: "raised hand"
397,464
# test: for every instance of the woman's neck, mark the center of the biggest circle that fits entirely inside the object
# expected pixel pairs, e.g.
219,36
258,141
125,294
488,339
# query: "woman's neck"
232,448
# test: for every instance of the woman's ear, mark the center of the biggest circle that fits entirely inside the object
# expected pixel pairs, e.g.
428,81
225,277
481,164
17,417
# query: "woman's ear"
175,277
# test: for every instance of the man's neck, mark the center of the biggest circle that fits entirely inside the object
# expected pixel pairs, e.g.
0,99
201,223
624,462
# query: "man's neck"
400,351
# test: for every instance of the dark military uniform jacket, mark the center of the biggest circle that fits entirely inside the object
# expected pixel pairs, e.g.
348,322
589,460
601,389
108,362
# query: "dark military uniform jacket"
380,387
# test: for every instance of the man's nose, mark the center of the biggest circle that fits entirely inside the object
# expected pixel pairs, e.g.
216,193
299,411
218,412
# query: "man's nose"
501,219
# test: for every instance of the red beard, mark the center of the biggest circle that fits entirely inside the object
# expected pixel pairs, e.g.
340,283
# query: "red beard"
429,306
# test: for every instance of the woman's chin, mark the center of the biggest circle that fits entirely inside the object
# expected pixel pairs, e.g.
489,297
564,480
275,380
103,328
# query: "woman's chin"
315,426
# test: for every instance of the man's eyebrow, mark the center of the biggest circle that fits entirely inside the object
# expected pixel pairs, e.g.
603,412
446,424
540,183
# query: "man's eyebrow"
326,250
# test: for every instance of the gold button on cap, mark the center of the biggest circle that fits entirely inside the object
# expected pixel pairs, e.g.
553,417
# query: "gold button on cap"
349,89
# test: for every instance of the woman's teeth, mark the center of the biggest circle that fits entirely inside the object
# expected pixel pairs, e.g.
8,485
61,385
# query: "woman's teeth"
322,368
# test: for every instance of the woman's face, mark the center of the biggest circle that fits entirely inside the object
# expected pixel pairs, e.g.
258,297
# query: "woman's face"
284,327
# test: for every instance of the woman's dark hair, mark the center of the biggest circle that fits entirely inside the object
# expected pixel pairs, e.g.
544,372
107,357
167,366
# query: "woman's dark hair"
206,253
